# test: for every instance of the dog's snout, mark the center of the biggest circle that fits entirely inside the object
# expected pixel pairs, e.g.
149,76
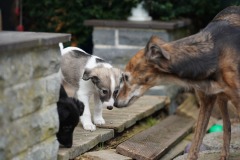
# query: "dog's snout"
115,104
109,107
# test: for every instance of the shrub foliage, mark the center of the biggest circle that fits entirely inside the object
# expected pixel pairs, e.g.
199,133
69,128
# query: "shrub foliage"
68,16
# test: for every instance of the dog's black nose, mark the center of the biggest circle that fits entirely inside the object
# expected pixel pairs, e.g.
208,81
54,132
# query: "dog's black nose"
109,107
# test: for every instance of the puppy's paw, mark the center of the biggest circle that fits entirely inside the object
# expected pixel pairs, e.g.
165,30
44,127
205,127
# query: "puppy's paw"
89,127
87,123
99,121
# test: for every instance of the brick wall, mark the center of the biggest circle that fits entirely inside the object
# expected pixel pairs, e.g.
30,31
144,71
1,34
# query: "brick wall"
29,83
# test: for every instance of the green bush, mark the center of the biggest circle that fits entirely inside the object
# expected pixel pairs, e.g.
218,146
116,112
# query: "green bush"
68,16
199,11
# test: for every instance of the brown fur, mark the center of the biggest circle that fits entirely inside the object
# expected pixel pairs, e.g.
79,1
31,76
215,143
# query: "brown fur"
208,62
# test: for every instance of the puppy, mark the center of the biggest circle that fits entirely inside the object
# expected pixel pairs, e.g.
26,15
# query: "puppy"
69,109
208,62
85,75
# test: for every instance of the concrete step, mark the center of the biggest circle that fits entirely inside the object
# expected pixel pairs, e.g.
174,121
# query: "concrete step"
212,155
214,141
117,120
154,142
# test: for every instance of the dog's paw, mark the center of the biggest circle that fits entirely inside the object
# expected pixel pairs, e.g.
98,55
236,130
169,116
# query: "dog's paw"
99,121
89,127
87,123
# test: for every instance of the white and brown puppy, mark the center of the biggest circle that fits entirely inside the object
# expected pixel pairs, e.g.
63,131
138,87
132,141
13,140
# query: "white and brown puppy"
84,75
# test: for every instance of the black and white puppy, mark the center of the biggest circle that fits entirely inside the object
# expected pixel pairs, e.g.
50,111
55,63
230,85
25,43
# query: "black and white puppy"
69,110
85,75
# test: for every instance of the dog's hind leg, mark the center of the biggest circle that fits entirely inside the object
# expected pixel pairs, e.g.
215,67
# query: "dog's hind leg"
206,106
222,102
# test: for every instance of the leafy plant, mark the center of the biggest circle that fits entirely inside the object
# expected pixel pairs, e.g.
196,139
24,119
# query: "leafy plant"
199,11
68,16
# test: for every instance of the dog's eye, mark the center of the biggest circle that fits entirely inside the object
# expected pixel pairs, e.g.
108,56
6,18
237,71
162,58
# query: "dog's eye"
121,80
116,92
126,77
146,79
104,91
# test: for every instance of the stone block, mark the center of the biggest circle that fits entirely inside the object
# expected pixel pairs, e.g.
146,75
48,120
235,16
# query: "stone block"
46,60
28,97
25,98
212,155
116,55
104,36
22,40
15,67
46,150
18,66
52,89
138,37
214,141
29,130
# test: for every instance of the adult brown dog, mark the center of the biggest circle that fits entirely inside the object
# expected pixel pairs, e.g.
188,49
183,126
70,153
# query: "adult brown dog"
208,62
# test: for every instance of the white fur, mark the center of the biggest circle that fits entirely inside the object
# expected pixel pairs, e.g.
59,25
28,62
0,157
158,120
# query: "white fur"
111,100
87,89
68,49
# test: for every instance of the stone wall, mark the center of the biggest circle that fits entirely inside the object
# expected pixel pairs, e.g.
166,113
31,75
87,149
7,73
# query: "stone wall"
29,89
118,41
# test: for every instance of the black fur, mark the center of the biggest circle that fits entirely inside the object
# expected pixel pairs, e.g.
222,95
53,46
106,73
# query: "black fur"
195,67
69,110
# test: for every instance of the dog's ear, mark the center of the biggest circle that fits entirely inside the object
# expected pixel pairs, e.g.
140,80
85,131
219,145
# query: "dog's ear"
79,106
154,51
63,111
88,75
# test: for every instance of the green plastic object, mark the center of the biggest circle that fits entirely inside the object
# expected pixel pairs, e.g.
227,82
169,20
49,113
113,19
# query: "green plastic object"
216,128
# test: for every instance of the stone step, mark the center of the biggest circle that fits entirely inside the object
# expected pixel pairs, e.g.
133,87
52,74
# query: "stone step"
154,142
214,141
212,155
117,120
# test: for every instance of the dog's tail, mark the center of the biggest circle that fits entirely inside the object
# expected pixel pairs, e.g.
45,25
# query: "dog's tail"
61,48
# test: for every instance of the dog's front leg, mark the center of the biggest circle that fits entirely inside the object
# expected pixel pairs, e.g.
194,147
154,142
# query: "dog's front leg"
86,117
97,117
222,102
206,106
